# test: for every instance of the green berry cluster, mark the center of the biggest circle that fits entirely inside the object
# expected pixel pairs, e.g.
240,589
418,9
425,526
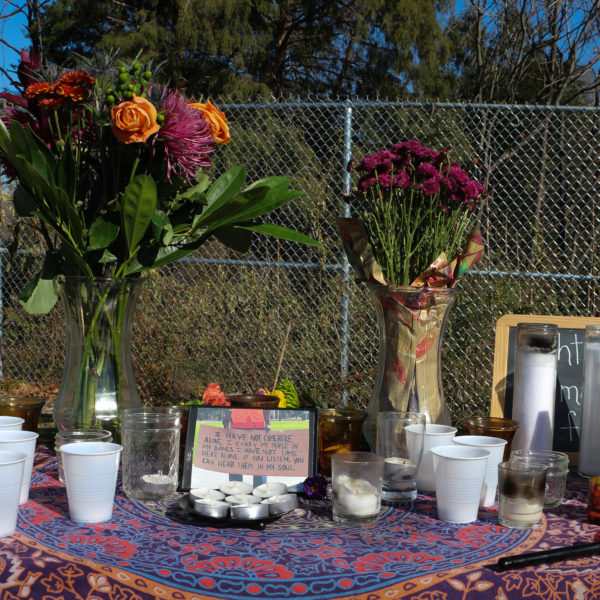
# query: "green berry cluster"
130,82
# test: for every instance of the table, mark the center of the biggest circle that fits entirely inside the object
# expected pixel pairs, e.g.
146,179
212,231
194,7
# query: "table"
148,551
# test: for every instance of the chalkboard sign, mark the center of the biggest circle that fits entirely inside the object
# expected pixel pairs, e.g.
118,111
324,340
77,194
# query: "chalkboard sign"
569,385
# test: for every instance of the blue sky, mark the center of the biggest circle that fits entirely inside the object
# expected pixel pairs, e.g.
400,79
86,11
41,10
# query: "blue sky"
13,31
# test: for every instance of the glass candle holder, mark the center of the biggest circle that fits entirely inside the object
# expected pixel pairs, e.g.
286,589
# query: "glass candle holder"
536,364
589,440
557,464
400,441
75,436
338,431
498,427
593,507
356,486
150,438
28,408
521,487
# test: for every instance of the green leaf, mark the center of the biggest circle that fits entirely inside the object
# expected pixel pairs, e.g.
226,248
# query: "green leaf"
102,234
236,238
168,234
221,191
203,181
269,182
282,233
196,190
68,171
107,257
39,295
159,220
139,205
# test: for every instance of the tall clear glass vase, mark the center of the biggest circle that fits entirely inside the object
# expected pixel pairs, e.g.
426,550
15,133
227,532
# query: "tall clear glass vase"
411,323
98,378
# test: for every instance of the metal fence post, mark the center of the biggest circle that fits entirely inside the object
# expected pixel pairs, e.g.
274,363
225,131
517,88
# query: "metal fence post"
347,182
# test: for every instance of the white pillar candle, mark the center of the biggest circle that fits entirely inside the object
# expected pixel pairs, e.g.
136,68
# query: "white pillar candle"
535,386
589,445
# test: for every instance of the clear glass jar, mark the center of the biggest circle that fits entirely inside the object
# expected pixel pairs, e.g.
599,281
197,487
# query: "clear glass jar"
536,364
557,469
150,439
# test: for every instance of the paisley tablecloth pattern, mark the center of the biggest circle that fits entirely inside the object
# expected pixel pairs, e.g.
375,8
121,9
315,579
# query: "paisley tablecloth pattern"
150,551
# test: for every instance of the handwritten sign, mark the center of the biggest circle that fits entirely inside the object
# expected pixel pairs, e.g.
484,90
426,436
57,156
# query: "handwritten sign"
569,385
255,453
253,445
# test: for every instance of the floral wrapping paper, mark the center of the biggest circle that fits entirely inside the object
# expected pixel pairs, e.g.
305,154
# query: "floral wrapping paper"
411,321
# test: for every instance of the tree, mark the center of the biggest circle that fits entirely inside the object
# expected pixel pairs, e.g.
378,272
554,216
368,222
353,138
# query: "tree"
533,51
263,47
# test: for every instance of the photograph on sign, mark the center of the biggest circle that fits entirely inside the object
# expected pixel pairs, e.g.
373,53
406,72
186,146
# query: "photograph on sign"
254,445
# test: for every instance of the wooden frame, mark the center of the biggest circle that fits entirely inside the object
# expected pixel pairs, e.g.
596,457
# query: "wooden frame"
503,326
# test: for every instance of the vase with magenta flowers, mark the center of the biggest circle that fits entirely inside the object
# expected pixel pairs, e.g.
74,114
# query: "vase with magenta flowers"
110,171
413,235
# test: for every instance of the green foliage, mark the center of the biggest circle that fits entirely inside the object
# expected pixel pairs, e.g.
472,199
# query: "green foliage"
250,49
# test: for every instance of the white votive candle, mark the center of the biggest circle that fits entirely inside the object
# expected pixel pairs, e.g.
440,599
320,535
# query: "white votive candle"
355,497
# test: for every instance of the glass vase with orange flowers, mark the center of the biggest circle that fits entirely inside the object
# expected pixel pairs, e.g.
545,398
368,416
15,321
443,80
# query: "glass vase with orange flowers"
110,170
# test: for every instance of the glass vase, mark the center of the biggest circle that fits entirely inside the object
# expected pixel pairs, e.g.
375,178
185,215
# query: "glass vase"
98,378
411,323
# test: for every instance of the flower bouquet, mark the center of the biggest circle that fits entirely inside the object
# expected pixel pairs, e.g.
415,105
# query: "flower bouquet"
414,236
110,171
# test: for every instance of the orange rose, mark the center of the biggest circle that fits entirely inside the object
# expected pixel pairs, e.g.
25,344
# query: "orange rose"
134,120
216,119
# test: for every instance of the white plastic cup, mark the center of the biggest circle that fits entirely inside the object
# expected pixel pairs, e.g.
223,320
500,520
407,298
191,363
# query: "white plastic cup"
459,475
90,470
435,435
12,465
9,423
77,436
21,441
495,446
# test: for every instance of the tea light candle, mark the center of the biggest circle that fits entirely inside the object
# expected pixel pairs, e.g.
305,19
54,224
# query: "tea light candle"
266,490
399,472
234,488
198,493
242,499
356,497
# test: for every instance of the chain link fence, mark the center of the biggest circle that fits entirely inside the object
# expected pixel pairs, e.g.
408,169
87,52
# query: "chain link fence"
287,310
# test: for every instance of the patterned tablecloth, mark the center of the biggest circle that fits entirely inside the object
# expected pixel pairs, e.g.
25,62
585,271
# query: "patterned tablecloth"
150,551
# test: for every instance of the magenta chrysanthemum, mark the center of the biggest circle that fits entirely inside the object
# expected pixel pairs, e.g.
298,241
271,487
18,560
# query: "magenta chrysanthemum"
186,137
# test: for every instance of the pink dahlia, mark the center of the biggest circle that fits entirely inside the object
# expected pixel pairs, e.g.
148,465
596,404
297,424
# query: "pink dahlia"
186,136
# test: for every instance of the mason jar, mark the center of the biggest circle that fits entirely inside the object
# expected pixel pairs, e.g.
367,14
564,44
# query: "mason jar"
150,440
